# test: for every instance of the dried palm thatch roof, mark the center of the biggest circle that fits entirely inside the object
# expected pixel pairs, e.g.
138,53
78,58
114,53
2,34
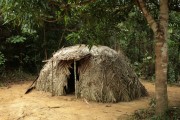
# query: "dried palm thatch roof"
103,74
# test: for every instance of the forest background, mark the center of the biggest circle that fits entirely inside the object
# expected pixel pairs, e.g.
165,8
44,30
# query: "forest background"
30,31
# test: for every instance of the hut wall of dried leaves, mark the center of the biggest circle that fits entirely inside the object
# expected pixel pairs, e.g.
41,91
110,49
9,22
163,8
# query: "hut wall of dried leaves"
104,75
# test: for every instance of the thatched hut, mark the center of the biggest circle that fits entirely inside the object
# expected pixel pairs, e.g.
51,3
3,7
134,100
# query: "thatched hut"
99,74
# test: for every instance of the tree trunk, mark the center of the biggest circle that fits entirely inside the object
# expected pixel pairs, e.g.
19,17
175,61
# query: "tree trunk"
161,49
161,74
160,33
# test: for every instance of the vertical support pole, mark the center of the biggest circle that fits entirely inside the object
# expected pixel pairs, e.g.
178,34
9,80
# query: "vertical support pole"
52,84
75,77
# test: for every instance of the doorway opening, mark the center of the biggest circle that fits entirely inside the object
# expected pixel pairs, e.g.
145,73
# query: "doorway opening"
70,89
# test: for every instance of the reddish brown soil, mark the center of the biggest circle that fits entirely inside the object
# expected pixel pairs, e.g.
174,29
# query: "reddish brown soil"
37,105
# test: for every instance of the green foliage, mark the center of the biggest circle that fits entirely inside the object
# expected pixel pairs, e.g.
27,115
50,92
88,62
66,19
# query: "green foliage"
2,59
23,12
97,22
174,47
136,40
41,27
16,39
173,113
74,37
2,63
143,114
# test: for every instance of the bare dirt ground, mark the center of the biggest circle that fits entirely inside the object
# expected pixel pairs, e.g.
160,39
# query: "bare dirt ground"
37,105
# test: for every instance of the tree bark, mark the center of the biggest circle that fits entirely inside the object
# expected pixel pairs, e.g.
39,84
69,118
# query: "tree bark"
160,34
161,49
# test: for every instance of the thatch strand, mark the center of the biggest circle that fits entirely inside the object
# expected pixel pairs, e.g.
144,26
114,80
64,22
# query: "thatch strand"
104,74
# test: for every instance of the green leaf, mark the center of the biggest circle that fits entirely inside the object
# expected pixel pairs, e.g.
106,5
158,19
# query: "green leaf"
16,39
2,58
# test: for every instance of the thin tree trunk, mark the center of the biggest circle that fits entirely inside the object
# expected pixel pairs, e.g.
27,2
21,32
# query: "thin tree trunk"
161,59
161,75
160,33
